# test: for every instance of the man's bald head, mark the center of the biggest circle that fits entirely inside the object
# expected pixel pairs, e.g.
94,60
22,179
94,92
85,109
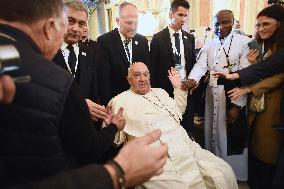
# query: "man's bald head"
139,78
135,66
225,13
127,20
223,23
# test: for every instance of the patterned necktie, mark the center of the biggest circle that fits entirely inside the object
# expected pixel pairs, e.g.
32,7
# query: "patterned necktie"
177,43
126,43
72,59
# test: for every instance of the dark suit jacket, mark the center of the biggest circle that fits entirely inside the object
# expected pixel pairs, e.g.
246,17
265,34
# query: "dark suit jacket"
89,43
86,75
271,66
113,63
162,58
87,177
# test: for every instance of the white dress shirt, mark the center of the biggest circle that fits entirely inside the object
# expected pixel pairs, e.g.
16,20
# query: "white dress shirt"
182,70
65,53
129,47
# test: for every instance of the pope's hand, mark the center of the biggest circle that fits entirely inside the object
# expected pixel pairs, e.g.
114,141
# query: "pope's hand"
174,77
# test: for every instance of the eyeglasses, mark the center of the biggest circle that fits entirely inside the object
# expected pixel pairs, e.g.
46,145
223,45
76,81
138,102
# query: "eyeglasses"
264,25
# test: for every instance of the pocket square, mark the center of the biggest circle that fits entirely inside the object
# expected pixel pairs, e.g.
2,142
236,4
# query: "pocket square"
84,54
185,37
136,42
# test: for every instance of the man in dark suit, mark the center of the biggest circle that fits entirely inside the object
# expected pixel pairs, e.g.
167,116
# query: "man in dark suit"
174,47
79,60
48,123
119,49
86,41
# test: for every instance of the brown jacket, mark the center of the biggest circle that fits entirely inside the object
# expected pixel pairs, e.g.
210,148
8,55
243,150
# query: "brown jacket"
266,141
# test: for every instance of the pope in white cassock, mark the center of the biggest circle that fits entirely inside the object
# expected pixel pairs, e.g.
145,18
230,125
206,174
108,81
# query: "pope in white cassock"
188,165
227,52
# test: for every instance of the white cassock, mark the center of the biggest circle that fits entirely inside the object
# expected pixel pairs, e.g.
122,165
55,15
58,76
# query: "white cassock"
188,166
212,57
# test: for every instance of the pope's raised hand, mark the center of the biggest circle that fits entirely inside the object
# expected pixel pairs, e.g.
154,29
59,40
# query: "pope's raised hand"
174,77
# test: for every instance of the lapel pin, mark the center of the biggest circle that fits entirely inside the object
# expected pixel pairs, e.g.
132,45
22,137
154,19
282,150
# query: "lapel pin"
84,54
136,42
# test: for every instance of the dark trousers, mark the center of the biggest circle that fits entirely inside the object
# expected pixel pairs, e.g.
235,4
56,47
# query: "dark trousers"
261,174
195,106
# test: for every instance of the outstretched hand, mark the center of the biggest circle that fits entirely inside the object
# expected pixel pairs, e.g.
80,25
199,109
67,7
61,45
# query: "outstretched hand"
237,92
174,77
228,76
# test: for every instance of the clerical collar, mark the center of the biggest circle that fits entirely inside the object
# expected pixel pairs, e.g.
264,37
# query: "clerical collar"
140,94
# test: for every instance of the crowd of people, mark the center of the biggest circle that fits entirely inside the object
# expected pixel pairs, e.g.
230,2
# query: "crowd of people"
90,117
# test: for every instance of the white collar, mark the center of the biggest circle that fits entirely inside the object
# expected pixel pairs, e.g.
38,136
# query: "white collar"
122,37
173,31
64,45
225,38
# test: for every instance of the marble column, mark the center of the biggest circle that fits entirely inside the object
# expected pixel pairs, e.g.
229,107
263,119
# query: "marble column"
101,13
93,25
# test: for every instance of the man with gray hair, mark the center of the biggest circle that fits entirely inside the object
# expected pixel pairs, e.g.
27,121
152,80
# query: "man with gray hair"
47,129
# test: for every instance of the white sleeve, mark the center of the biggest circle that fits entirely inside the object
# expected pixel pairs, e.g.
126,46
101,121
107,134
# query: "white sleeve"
201,66
181,99
243,63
